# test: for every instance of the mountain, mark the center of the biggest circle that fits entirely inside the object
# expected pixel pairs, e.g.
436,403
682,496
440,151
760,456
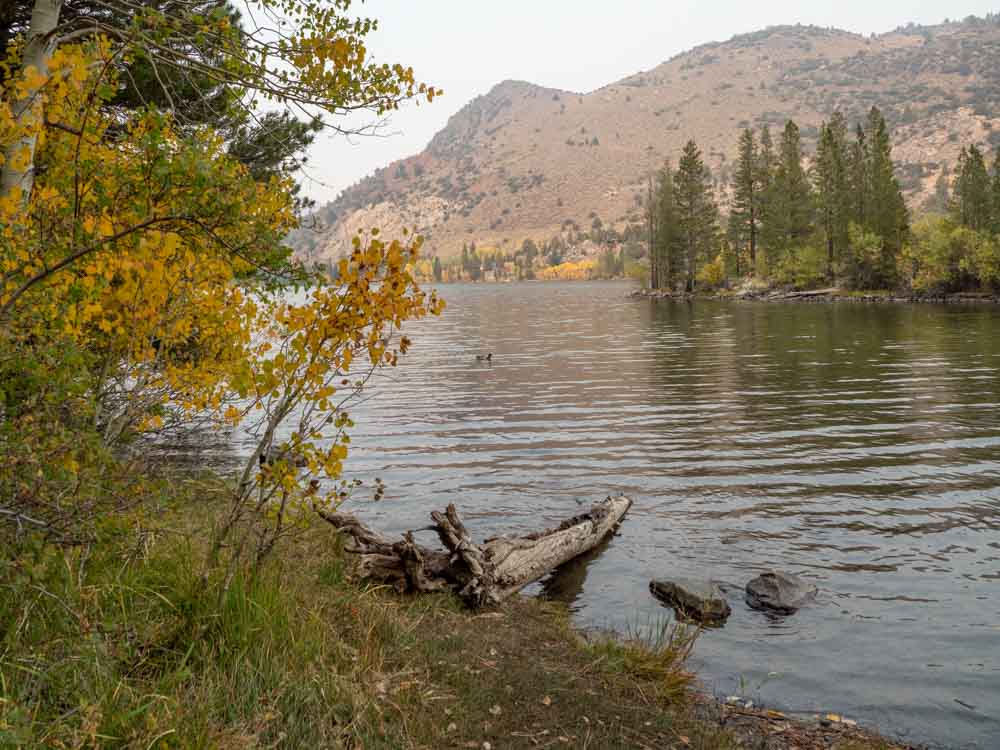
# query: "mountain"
524,161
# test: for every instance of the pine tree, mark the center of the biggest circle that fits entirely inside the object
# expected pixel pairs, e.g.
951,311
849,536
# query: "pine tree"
940,201
438,274
745,215
475,268
654,256
995,225
736,239
667,252
530,251
794,185
857,179
877,208
789,198
697,213
554,251
973,192
832,188
767,164
886,212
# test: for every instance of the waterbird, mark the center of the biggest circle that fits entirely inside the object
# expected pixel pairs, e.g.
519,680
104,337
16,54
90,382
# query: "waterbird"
484,358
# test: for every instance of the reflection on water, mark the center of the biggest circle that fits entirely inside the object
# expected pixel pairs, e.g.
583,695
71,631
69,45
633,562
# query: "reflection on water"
565,584
857,446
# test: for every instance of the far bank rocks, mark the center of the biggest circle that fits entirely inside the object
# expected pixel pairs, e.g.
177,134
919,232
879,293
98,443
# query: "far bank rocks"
781,593
753,293
700,601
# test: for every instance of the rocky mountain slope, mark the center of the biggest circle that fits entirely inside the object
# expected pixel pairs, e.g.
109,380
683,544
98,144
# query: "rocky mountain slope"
526,161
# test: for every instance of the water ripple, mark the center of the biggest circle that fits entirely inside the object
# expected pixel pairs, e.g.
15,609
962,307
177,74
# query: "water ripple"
856,445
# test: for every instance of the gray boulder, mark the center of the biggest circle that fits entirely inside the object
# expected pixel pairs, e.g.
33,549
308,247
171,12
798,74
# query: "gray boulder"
779,592
700,601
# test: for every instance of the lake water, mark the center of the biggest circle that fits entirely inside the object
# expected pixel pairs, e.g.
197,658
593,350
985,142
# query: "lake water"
855,445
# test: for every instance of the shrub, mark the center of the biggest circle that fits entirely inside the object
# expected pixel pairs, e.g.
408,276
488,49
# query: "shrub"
983,260
803,267
712,274
944,257
637,270
868,264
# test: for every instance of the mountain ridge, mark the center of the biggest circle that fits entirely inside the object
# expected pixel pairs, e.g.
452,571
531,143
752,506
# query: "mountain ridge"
528,161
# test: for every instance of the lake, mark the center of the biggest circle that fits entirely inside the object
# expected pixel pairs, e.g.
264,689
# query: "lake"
855,445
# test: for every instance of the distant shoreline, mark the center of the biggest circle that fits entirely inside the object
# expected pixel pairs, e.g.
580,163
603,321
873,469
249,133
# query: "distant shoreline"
825,295
771,295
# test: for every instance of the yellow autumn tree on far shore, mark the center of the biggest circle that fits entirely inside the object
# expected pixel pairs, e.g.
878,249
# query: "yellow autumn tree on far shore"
579,270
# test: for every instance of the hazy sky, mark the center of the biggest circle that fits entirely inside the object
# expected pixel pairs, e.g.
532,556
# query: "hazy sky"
467,46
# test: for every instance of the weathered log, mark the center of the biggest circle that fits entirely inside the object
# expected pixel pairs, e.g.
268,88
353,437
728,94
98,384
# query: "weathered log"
811,293
480,574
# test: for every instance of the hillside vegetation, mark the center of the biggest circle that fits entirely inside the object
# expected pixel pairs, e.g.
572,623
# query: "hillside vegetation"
528,162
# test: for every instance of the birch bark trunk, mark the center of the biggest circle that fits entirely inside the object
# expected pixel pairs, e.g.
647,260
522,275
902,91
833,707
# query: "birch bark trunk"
19,156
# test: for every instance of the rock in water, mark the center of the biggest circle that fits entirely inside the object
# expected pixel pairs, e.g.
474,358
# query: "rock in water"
694,600
779,592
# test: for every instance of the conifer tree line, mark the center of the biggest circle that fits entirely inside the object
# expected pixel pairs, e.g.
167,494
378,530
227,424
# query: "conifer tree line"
841,220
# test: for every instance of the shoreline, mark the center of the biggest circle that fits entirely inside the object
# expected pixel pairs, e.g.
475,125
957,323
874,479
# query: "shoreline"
307,655
825,295
770,295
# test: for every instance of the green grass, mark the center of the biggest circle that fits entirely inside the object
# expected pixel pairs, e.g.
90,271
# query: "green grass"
123,644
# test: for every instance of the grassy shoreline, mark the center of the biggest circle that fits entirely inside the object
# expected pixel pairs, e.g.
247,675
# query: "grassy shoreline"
123,643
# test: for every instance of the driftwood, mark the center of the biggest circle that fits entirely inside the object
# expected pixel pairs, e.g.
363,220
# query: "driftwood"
807,293
483,574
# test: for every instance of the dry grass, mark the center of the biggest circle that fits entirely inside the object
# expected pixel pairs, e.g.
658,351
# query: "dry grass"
123,645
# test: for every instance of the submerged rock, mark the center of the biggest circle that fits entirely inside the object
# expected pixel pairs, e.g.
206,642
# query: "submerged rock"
779,592
694,600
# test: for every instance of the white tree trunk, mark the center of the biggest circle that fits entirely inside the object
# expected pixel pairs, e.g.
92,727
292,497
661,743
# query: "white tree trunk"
481,574
19,156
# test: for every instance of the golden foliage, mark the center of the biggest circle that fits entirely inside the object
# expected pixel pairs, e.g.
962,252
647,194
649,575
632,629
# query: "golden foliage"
580,270
713,273
152,254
